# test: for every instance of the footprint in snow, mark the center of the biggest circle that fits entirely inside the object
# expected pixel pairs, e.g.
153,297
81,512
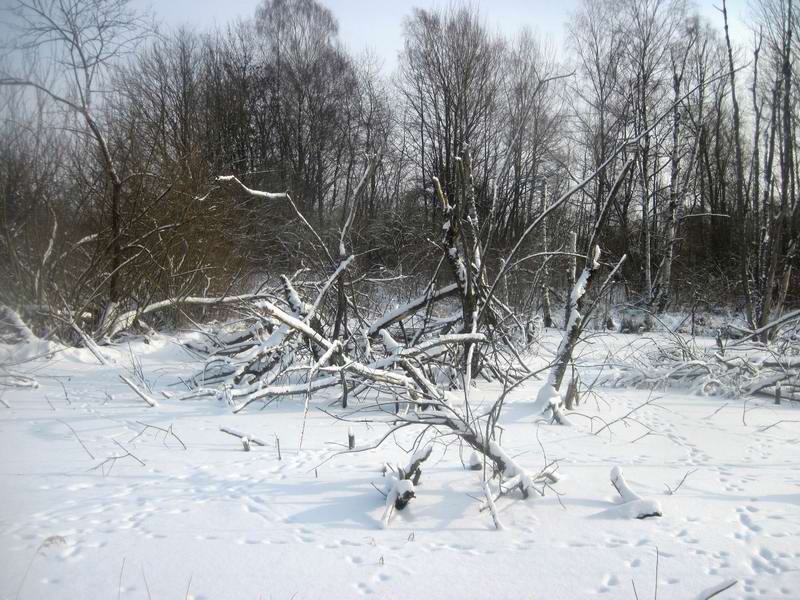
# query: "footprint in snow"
747,521
635,563
609,582
363,588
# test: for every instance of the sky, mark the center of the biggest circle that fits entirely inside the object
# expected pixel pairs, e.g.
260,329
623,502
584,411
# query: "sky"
378,24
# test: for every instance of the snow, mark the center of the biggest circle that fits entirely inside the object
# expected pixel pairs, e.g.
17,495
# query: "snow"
296,304
391,345
596,257
419,456
547,397
621,485
633,506
634,509
214,521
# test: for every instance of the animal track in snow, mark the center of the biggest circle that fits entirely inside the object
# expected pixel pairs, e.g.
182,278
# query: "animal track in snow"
609,582
363,588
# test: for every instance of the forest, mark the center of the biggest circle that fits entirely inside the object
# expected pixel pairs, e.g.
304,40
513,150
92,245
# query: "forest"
506,255
117,133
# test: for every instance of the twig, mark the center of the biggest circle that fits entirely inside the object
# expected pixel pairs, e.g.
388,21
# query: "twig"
49,541
146,585
644,435
119,585
167,432
626,415
655,590
498,524
77,437
670,491
380,491
114,458
763,429
717,590
716,411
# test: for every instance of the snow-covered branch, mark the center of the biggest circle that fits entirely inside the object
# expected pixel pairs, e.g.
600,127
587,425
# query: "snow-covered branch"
250,191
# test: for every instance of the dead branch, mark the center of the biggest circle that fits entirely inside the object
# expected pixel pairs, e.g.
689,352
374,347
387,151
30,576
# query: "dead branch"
167,432
670,491
77,437
112,460
717,589
633,504
139,392
240,435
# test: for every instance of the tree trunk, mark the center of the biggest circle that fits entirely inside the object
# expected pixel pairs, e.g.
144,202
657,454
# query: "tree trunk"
547,318
572,266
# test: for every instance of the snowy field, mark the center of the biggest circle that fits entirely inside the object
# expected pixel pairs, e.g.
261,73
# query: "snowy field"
213,521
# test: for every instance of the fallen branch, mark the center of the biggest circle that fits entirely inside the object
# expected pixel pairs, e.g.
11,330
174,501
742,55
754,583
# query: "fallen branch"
716,590
240,435
408,309
150,401
167,432
398,494
632,505
77,437
400,489
18,381
89,343
127,319
751,333
776,423
487,493
114,458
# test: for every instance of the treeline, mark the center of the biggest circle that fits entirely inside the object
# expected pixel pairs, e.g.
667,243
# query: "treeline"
114,135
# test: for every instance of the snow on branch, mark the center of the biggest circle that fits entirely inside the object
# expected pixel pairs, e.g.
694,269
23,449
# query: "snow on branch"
296,304
550,394
250,191
139,392
276,196
779,322
633,505
411,307
246,439
127,319
487,493
400,487
399,492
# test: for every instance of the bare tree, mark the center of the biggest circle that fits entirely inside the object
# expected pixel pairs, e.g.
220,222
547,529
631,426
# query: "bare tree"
450,73
83,39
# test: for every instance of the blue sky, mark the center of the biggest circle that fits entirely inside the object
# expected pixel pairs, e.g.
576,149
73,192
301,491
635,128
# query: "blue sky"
378,24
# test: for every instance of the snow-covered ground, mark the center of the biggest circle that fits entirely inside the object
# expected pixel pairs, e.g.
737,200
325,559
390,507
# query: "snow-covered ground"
214,521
